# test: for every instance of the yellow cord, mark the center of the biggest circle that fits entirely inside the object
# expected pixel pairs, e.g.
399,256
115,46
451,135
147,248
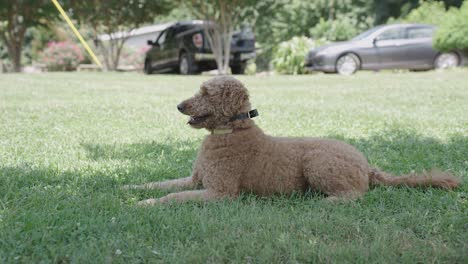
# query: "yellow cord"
88,49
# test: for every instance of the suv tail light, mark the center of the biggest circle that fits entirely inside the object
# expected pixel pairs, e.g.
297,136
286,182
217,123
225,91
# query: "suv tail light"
198,40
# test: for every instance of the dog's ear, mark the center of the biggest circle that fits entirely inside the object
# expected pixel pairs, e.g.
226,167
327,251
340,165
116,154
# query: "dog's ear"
207,90
233,99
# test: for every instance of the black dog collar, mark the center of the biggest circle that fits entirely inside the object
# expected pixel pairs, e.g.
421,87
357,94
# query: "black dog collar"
251,114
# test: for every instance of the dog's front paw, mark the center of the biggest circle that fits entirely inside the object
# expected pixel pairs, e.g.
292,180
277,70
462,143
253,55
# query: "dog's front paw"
133,187
147,202
125,187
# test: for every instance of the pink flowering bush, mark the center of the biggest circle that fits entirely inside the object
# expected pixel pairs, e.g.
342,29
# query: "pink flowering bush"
62,56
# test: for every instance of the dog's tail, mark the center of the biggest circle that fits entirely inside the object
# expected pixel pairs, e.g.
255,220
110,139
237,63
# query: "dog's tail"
434,178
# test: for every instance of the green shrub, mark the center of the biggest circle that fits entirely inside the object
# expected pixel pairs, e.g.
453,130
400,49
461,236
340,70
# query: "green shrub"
453,30
428,12
251,68
288,58
334,30
452,24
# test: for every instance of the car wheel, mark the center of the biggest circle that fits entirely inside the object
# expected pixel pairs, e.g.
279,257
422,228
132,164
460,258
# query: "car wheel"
238,68
147,68
347,64
186,65
446,60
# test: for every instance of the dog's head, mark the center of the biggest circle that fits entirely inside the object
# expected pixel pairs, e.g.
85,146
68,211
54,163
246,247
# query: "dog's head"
218,100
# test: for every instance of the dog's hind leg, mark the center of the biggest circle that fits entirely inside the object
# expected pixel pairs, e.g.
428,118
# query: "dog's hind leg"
198,195
338,176
183,183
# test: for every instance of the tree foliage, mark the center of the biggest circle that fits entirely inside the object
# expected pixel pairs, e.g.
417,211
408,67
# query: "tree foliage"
428,12
452,23
453,30
16,16
334,20
116,16
285,19
384,10
334,30
279,20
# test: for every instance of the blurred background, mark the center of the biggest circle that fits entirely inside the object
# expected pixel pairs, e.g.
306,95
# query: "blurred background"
266,36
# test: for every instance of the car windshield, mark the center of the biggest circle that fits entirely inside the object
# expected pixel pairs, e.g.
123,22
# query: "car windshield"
162,37
365,34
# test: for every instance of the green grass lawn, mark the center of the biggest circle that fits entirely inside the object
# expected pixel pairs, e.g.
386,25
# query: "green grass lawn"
69,140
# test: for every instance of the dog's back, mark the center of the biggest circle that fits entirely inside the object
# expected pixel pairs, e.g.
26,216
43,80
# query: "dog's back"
264,165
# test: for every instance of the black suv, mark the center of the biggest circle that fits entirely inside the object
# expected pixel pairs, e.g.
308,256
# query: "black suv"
182,47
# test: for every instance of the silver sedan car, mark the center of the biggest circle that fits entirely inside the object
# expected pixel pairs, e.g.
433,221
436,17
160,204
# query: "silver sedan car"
397,46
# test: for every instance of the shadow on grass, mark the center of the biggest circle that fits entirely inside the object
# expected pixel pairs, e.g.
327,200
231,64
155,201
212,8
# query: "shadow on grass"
394,151
140,151
136,163
399,151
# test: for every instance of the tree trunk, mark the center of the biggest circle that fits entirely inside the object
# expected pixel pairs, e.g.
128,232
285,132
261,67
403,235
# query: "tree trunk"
226,38
14,46
219,35
15,57
120,47
227,50
14,41
13,35
227,44
112,50
331,10
103,50
213,35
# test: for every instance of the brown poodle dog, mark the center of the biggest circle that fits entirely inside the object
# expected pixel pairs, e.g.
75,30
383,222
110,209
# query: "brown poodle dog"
237,156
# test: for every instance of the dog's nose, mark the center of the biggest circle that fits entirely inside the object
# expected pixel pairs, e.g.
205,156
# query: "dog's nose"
180,107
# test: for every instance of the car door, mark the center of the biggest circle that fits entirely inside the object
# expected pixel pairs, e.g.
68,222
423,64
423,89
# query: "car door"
171,58
157,51
389,48
419,51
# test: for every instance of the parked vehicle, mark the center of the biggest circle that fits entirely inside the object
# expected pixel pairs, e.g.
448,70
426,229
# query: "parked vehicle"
398,46
183,47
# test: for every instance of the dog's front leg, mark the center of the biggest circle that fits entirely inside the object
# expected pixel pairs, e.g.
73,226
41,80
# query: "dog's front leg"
183,183
199,195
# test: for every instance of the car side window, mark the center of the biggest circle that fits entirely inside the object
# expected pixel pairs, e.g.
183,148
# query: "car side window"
162,38
170,33
392,34
419,32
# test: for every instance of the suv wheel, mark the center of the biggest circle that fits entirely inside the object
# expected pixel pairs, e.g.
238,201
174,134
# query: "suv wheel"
186,65
147,68
347,64
238,68
446,60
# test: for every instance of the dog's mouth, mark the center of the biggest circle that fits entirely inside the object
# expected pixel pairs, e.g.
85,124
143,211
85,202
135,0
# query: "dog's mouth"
193,120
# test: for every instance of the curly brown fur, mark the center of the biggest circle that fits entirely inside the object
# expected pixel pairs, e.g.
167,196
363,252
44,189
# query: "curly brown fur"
248,160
